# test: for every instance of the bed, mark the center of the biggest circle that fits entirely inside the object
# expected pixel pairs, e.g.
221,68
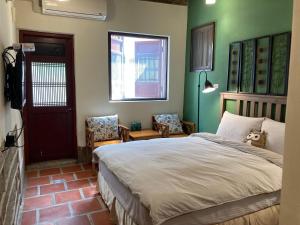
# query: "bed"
203,179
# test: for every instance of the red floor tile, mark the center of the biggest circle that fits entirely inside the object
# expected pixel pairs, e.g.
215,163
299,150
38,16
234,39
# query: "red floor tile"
67,196
30,174
101,218
29,218
70,169
31,192
51,188
78,220
90,192
85,206
78,184
54,213
51,171
38,181
85,174
37,202
50,214
63,177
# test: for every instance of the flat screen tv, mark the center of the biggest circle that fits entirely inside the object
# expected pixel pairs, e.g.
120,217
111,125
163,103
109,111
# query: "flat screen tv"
17,81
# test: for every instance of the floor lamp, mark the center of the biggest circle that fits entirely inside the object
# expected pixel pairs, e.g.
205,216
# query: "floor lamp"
208,88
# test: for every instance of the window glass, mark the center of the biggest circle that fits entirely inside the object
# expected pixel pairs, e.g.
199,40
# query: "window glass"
138,67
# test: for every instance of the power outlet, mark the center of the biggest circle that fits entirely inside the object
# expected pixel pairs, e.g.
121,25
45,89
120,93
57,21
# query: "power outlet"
216,86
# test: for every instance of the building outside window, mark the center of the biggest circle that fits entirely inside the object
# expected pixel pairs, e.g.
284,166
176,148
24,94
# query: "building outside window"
138,67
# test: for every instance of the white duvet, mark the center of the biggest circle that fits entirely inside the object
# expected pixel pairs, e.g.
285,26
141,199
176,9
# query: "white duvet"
175,176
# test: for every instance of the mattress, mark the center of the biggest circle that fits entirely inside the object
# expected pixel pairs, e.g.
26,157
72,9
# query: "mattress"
214,215
203,179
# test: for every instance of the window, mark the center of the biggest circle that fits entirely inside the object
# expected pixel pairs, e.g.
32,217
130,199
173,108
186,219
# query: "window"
138,67
49,88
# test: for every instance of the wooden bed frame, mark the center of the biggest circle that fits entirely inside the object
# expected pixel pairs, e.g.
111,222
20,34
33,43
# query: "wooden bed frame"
252,105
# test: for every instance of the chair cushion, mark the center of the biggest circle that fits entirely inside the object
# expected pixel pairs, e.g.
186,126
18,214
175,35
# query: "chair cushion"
101,143
172,120
104,127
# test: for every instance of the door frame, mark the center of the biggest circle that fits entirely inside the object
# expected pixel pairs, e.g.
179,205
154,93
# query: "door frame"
70,37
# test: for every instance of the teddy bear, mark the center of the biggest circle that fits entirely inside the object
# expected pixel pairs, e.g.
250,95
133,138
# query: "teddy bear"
256,138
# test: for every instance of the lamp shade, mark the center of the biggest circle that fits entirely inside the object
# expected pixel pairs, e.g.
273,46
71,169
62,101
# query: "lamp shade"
208,87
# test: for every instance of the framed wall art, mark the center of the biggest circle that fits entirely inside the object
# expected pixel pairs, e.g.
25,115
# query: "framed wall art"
263,60
280,64
234,66
262,66
247,66
202,48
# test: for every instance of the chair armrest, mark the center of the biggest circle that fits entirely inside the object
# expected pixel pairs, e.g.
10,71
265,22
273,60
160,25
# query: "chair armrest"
124,133
89,138
188,127
163,129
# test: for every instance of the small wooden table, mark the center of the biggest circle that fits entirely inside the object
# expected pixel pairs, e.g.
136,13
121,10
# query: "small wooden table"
144,135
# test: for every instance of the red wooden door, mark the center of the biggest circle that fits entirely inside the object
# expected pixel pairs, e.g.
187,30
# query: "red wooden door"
50,117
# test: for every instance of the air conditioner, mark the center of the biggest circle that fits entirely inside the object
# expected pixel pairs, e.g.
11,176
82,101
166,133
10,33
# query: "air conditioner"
87,9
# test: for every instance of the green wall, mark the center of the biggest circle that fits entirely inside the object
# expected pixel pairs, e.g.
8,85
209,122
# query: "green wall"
235,20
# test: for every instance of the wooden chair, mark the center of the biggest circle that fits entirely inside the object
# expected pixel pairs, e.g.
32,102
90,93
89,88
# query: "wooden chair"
92,144
187,127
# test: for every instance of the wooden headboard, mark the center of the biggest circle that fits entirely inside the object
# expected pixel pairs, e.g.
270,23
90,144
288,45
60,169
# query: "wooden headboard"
252,105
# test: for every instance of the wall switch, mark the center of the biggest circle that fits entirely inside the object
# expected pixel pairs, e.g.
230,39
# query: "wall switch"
216,86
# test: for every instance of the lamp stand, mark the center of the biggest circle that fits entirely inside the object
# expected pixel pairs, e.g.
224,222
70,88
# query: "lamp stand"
198,115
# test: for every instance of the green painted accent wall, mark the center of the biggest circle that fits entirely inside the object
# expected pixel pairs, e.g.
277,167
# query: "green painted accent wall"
235,20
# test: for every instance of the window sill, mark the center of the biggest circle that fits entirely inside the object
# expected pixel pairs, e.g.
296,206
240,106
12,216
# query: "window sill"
137,101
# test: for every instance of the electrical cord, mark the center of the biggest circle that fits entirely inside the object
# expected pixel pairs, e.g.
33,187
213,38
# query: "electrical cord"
22,129
8,59
18,136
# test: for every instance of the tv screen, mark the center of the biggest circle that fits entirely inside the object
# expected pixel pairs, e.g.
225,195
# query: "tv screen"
18,82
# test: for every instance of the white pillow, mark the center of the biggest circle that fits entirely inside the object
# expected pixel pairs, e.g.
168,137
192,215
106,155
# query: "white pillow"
275,135
236,128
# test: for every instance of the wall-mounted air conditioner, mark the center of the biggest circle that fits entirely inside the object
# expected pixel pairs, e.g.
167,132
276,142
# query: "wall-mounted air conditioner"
87,9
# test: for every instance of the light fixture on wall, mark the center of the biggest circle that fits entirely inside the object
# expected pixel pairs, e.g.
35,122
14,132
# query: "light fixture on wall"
208,87
210,2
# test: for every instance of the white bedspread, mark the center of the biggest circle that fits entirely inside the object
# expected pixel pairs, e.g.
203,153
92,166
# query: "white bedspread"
180,175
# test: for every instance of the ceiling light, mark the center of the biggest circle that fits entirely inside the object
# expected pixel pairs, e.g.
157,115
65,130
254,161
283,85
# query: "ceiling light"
210,2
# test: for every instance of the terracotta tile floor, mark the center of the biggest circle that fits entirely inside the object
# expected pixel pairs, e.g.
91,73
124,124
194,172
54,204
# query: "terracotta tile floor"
63,196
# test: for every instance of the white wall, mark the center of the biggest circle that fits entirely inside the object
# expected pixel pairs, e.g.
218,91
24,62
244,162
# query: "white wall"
91,58
8,118
290,203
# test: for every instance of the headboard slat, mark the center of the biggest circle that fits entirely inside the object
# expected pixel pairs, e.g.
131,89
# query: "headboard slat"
238,107
252,109
260,109
258,101
245,105
278,112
